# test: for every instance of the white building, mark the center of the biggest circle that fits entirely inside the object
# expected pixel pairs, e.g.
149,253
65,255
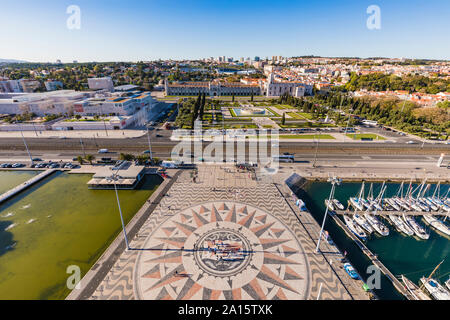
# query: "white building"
7,86
213,88
101,83
277,88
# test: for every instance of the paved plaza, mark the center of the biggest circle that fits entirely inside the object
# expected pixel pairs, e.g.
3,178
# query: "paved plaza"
225,236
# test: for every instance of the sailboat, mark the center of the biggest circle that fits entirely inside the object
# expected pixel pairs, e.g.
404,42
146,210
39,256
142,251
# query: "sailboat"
447,284
329,204
357,201
363,223
416,227
377,225
400,225
356,229
437,224
413,289
434,288
337,204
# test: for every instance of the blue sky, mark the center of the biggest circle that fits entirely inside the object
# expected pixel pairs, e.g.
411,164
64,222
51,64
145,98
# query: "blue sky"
118,30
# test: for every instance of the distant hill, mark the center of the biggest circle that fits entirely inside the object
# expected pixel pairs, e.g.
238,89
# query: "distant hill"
11,61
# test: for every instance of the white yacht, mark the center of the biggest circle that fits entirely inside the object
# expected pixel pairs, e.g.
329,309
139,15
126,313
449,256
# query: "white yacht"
363,223
337,204
393,204
414,290
355,228
329,204
416,227
435,289
400,225
447,284
437,224
377,225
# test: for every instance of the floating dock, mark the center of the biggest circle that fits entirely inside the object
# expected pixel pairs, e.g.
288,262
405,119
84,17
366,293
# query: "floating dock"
8,194
395,282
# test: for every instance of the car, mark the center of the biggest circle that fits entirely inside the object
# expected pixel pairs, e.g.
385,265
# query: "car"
103,151
37,159
146,152
159,136
411,142
17,165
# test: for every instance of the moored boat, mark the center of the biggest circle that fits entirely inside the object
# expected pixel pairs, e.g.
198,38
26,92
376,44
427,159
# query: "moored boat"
400,225
377,225
363,223
413,289
437,224
416,227
354,228
435,289
337,204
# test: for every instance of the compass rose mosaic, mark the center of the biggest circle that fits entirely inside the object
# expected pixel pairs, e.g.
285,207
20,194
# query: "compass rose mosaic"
221,250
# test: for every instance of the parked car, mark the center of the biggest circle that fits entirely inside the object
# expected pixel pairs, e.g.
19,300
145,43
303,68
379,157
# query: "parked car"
103,151
37,159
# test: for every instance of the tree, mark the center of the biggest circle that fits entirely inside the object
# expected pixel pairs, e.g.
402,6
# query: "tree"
90,158
283,120
80,160
232,99
126,157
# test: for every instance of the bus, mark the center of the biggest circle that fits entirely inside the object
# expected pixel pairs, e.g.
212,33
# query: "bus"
284,158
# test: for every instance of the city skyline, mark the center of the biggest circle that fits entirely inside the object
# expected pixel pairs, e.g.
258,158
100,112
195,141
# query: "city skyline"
198,29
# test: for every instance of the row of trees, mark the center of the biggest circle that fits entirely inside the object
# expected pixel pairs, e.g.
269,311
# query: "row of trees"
404,115
411,83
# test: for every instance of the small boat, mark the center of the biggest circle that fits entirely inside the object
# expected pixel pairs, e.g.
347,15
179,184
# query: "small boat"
447,284
400,225
329,204
435,289
437,224
355,228
414,290
351,271
337,204
377,225
416,227
363,223
301,205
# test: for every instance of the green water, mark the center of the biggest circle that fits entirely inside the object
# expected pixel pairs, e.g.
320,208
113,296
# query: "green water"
400,254
11,179
74,225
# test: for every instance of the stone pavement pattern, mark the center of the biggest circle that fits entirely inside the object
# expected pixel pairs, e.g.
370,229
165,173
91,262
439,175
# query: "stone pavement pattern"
277,256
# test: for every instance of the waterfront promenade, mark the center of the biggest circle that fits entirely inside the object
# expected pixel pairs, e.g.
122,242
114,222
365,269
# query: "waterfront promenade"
178,253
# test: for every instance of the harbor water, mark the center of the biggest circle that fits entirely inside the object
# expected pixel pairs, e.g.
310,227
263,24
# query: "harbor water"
59,223
11,179
399,253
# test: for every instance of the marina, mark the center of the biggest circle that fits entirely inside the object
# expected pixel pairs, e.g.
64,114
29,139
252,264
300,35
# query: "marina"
397,240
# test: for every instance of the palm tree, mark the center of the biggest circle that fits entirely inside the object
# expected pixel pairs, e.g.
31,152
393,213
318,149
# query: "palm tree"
90,158
80,159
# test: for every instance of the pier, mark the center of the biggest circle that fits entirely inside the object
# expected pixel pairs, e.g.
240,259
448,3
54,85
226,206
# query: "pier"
374,259
8,194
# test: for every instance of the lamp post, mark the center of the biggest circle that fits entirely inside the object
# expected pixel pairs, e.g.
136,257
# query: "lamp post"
149,144
334,181
25,143
114,177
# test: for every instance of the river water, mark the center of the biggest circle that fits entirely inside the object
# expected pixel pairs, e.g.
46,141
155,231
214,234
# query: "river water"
57,223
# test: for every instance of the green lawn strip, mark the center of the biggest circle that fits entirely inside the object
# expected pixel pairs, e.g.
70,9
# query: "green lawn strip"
275,113
299,136
359,136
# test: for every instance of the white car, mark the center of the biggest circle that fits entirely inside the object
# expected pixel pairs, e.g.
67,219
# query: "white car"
411,142
103,151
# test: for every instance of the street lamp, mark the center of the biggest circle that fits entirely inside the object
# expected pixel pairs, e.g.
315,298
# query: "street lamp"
149,144
114,177
334,181
25,143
